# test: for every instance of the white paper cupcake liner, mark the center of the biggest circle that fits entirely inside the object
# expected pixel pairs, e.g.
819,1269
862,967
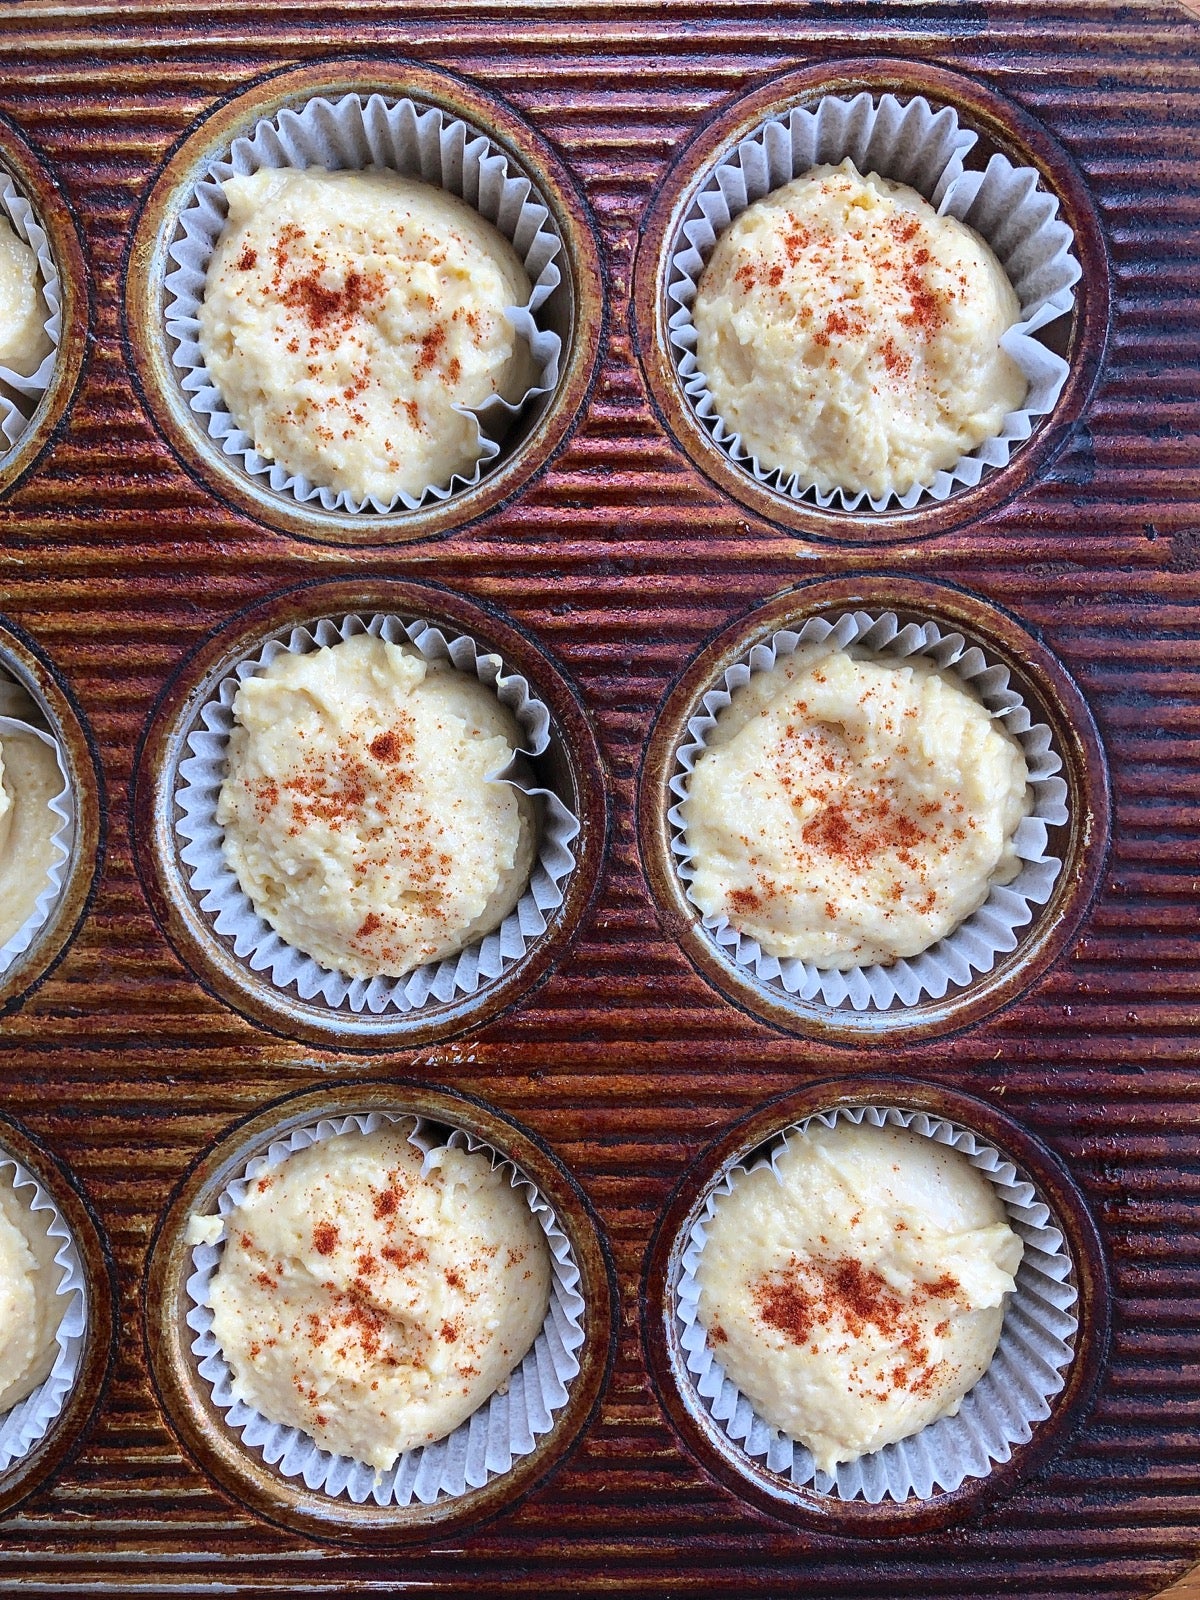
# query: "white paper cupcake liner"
30,1419
503,1429
1026,1372
911,143
19,395
352,133
220,895
987,933
62,805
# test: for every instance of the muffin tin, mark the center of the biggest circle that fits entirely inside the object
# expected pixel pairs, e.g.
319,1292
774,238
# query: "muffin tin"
140,562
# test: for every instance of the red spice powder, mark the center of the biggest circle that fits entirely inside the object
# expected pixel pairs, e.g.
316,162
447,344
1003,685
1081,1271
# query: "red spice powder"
431,349
321,306
388,746
822,1293
325,1238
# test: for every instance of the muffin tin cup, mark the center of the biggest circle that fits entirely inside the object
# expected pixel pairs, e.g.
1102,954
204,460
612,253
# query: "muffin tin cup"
504,1429
27,1423
1001,1411
989,932
912,144
233,917
997,643
62,806
34,698
490,1464
20,394
355,132
1048,1203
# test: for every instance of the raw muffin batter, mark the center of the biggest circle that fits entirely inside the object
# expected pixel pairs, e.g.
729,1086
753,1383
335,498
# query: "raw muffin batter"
370,1305
851,335
30,1306
24,343
848,811
349,317
359,814
856,1292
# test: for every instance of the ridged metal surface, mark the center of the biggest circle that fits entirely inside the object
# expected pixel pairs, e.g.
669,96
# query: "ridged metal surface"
622,560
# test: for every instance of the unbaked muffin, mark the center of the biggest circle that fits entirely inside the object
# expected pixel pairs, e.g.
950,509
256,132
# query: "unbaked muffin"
351,320
849,809
851,336
361,814
375,1299
855,1289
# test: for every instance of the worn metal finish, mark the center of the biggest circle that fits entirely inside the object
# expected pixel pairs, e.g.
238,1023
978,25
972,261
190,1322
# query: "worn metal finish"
621,559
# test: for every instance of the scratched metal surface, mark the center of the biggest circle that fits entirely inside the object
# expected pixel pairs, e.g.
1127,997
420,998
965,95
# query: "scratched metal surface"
622,560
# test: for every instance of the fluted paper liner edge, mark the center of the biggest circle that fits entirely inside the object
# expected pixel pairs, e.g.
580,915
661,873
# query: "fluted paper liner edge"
28,1422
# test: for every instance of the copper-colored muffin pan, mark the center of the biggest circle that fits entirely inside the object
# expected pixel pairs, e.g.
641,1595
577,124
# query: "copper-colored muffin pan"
614,557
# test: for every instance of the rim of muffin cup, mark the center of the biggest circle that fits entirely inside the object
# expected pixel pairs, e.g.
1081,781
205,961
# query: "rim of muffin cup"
974,971
39,1434
263,1482
210,921
570,310
78,831
1047,1427
33,204
999,128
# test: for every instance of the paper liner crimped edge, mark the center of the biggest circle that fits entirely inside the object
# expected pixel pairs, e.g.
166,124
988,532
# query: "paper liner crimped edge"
999,1414
220,896
16,413
994,929
504,1428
